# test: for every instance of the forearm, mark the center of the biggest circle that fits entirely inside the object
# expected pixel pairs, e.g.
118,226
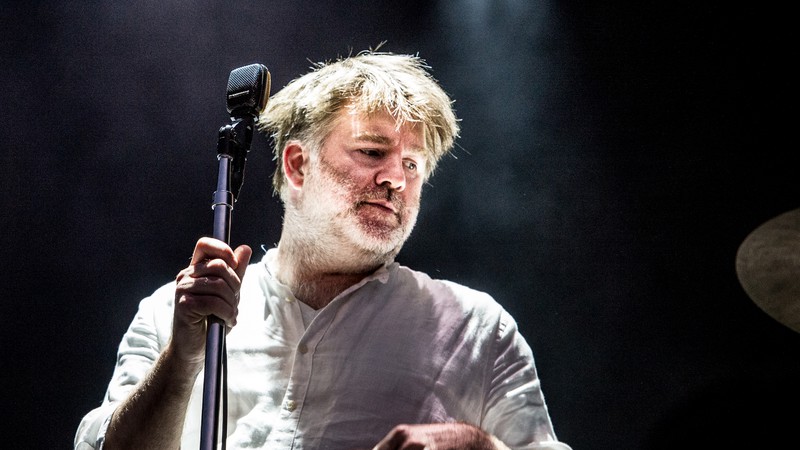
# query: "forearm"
477,439
153,415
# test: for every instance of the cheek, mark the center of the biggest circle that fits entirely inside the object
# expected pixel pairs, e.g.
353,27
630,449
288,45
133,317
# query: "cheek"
347,179
413,194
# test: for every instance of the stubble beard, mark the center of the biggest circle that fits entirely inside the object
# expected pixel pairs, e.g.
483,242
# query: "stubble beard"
335,224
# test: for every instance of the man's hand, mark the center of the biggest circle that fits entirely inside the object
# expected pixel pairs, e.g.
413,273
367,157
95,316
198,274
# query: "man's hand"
440,436
153,415
209,286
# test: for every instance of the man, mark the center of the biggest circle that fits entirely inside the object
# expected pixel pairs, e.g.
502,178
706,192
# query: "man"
331,344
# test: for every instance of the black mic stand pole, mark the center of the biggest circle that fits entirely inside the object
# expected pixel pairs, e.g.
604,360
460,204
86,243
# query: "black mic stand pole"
248,91
231,153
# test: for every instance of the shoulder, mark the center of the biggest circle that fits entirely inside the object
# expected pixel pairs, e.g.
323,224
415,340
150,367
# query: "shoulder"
447,294
454,306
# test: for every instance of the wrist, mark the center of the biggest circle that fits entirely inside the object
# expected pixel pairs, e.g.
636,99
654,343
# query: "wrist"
481,440
181,370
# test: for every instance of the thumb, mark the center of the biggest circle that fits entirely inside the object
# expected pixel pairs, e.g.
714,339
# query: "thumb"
242,254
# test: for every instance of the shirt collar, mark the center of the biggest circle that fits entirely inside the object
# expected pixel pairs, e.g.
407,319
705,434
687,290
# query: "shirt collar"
382,274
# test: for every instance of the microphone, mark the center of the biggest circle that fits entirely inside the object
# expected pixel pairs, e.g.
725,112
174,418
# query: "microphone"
248,90
247,95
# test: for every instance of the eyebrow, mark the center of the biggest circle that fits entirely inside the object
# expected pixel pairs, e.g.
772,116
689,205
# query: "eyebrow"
380,139
373,138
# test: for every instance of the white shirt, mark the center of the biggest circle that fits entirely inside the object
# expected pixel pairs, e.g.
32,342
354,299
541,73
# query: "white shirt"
396,348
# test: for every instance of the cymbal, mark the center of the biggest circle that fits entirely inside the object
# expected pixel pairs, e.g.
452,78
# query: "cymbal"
768,267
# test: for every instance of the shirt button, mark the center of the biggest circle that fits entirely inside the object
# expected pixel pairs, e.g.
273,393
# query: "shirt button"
302,348
291,405
289,299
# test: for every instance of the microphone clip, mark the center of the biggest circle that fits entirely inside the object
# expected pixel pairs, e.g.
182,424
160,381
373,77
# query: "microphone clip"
234,143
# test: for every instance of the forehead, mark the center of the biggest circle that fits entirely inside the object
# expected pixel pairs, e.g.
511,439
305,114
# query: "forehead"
379,128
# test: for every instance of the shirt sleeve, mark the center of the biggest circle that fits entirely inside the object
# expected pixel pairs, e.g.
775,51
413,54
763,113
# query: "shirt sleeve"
136,355
516,412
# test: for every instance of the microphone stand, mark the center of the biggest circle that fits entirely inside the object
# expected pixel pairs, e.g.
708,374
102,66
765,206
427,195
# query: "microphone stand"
248,91
232,148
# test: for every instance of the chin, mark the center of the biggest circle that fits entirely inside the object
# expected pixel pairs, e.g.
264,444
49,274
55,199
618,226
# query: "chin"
380,243
379,248
379,240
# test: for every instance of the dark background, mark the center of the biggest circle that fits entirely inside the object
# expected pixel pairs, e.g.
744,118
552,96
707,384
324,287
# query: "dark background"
613,158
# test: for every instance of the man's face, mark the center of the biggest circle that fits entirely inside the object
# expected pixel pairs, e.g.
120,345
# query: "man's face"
364,185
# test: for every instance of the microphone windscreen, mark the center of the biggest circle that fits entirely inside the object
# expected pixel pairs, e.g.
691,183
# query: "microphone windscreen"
248,90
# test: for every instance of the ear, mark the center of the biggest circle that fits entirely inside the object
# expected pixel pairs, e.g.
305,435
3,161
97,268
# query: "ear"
295,160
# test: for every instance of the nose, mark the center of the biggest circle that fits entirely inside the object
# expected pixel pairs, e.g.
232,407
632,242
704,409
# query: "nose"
392,174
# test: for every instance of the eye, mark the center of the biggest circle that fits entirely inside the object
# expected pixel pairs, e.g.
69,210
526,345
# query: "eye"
371,152
411,165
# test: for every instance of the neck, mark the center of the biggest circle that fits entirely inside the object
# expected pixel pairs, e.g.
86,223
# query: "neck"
315,272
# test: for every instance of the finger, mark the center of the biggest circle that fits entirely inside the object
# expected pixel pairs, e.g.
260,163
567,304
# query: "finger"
201,296
210,248
393,440
243,253
232,274
220,275
202,306
213,260
206,284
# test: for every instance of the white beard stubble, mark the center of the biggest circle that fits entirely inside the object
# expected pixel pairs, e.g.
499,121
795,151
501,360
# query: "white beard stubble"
331,231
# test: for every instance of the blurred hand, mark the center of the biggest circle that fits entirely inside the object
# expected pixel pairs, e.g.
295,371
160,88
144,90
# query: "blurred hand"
441,436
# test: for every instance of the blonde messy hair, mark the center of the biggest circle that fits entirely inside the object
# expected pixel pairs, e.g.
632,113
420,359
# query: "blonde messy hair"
368,82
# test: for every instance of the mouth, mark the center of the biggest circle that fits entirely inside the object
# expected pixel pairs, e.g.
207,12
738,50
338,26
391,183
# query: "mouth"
381,205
